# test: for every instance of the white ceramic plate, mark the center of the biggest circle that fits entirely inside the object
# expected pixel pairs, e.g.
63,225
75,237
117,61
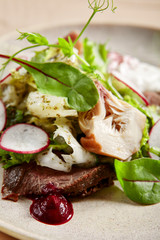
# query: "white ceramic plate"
107,214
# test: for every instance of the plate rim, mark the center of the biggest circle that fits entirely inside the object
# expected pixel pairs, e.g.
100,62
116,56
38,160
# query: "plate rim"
41,27
16,231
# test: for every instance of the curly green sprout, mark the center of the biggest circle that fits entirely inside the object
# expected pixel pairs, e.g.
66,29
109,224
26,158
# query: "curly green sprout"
67,47
100,6
96,6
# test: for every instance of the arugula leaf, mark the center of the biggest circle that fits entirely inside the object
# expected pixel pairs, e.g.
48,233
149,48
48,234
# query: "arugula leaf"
140,179
60,79
10,159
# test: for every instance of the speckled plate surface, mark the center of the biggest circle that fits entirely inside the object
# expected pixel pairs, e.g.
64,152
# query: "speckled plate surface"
108,214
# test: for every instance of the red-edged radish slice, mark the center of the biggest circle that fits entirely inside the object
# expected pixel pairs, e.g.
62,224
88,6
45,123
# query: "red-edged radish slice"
123,68
154,138
120,84
24,138
3,115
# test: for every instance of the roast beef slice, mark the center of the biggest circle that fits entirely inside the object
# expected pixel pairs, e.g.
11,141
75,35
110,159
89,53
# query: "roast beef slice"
31,179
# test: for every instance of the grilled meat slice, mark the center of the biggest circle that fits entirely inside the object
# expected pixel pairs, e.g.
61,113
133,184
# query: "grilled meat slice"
26,179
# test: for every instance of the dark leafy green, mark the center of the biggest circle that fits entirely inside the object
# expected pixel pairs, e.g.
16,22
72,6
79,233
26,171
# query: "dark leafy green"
140,179
61,79
14,116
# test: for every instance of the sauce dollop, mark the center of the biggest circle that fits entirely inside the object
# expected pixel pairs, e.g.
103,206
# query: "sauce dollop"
51,208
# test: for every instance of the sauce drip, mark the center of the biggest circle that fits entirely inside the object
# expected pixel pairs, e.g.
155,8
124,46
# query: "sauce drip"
52,207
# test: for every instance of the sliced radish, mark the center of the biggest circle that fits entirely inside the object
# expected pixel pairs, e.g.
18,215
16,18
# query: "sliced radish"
126,70
154,139
121,85
24,138
3,115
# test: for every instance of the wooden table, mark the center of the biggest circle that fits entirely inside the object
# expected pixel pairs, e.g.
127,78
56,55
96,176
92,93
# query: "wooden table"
22,14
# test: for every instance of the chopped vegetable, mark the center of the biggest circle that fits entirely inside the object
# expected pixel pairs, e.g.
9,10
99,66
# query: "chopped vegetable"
24,138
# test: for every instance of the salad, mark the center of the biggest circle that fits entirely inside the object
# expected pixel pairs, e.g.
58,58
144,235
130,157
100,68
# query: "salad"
74,118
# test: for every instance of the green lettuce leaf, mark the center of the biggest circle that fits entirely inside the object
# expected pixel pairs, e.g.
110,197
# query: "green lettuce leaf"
10,159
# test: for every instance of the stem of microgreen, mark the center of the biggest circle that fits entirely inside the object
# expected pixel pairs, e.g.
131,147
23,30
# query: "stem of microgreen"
82,60
11,57
26,48
89,20
58,146
155,151
96,7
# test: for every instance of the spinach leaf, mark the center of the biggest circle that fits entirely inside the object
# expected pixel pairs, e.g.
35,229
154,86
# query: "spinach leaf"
140,179
61,79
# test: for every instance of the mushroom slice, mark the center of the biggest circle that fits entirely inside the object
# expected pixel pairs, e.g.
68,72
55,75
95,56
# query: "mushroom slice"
113,127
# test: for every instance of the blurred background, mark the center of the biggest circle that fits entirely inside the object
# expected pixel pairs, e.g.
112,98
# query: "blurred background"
20,14
32,14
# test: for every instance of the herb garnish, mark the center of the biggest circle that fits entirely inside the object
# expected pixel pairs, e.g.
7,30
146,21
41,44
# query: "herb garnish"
52,82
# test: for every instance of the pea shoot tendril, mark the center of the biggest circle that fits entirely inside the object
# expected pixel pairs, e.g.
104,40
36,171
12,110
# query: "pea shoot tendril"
67,47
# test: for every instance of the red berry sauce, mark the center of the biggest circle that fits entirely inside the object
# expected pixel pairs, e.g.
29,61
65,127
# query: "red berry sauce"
52,207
